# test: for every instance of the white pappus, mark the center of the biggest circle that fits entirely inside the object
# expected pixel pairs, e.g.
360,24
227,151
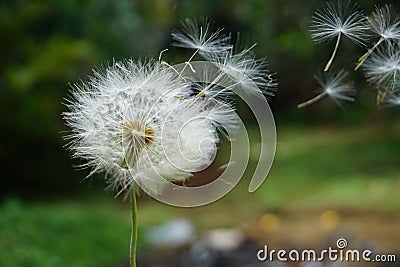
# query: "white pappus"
334,86
336,20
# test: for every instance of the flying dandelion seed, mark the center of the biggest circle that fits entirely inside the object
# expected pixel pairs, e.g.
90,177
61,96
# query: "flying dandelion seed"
197,35
384,24
392,99
245,70
382,68
336,20
334,86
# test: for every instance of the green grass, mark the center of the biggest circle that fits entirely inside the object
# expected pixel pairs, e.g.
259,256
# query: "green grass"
62,234
351,169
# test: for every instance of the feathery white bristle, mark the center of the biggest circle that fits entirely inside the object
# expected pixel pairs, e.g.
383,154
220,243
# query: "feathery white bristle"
339,18
198,36
392,99
383,23
382,68
249,73
336,87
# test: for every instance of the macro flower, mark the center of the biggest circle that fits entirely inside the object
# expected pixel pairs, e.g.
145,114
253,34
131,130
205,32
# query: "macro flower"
145,124
334,86
127,121
336,20
384,24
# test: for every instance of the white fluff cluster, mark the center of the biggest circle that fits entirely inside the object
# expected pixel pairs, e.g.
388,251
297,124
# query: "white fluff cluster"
336,87
380,30
198,35
146,123
384,23
382,68
241,66
381,63
136,122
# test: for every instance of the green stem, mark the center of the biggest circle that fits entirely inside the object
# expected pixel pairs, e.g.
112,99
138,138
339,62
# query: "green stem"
134,229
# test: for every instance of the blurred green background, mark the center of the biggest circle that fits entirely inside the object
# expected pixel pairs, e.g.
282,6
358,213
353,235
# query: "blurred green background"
335,170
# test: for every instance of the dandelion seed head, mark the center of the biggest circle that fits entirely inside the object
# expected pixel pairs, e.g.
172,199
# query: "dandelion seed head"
145,124
127,121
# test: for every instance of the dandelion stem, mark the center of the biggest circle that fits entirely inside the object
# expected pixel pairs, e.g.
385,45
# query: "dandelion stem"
380,97
134,230
162,52
223,90
202,92
369,52
334,53
312,100
187,62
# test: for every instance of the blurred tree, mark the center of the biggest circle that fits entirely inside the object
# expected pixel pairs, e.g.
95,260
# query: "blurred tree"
47,44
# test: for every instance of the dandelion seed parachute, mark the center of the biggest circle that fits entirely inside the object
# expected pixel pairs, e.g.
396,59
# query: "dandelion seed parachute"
382,68
384,24
245,70
339,18
334,86
197,35
336,20
392,99
242,67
